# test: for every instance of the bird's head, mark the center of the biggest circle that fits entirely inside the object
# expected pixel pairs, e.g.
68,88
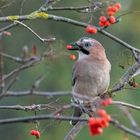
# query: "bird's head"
86,46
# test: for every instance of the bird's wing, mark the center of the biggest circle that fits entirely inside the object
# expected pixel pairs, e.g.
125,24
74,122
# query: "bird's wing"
73,76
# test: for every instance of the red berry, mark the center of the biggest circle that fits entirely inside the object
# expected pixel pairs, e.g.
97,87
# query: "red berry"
118,5
98,122
99,130
110,13
107,118
91,29
69,47
102,112
109,8
112,19
103,19
114,9
107,23
33,132
72,57
91,121
96,131
106,102
104,123
37,134
109,100
102,24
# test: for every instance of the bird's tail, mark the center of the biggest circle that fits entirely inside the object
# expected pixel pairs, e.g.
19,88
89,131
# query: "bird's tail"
77,113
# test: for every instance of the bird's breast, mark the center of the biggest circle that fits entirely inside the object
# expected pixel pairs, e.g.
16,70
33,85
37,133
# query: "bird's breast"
92,77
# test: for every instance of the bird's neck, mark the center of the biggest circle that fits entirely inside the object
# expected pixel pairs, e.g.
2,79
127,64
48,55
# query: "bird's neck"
81,55
98,52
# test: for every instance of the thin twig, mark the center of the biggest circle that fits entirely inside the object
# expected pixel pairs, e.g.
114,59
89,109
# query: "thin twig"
2,81
117,124
63,8
126,105
128,114
16,59
40,38
22,67
8,27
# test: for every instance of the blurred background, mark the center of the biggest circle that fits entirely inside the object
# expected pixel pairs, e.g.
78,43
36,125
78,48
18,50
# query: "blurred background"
57,70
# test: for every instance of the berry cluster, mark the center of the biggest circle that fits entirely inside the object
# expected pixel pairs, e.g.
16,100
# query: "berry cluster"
96,125
106,102
111,10
35,133
104,22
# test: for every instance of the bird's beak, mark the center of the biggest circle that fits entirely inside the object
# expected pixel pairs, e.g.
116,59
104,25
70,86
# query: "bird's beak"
76,46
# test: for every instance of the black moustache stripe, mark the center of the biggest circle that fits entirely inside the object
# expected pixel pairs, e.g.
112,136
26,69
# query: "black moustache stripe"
84,51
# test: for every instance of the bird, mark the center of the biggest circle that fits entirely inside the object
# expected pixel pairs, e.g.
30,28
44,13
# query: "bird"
90,74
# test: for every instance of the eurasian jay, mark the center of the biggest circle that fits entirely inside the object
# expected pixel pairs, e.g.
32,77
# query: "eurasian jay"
91,72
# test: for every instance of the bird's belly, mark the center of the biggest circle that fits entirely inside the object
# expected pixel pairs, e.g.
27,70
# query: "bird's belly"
91,85
103,84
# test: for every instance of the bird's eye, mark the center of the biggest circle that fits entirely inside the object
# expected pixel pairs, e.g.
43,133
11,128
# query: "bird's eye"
87,44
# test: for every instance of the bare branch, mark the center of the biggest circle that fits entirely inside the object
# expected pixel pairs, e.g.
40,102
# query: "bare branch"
25,66
63,8
40,117
125,78
28,108
116,39
128,114
8,27
124,128
36,93
126,105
